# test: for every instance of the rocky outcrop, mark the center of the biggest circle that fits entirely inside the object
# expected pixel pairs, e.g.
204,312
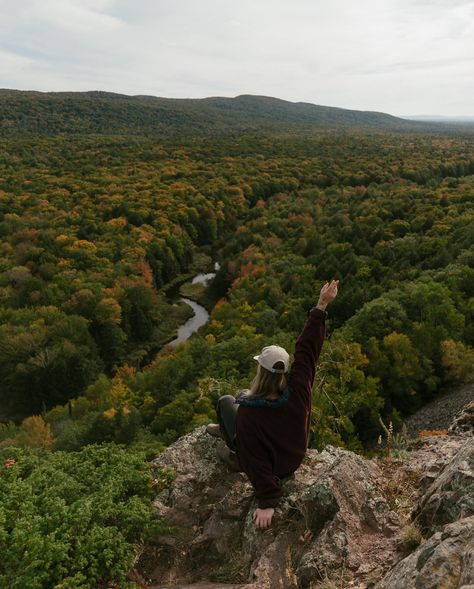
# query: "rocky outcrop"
340,518
444,513
451,495
438,413
429,457
463,423
332,513
445,560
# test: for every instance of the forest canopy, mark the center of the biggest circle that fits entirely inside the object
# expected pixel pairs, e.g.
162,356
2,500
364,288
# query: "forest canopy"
95,228
100,227
107,113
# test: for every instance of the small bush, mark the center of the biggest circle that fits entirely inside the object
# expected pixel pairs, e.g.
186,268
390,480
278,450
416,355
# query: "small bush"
70,520
72,437
408,539
32,433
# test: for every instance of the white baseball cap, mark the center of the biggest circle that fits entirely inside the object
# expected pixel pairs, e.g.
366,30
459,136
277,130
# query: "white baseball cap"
270,355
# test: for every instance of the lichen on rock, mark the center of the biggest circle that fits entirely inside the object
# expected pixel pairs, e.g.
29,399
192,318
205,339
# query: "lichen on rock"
463,422
332,510
451,495
445,560
338,519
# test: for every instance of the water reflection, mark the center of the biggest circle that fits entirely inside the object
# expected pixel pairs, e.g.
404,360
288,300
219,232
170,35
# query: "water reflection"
204,278
200,317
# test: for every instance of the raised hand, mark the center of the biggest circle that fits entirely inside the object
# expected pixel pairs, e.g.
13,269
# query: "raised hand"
328,293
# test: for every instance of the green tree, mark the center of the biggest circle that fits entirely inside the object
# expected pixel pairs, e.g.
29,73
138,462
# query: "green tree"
403,372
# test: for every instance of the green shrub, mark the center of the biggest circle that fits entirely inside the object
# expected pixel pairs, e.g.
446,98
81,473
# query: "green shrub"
68,520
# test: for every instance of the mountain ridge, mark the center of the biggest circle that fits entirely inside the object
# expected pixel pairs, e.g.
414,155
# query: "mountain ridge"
95,111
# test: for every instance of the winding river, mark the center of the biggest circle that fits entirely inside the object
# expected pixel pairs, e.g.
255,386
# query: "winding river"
200,317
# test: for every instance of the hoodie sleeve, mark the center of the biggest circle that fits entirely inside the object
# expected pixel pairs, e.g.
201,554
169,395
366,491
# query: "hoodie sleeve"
307,350
255,461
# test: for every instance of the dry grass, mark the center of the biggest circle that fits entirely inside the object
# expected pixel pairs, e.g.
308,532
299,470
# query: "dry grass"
326,584
400,486
235,569
432,432
336,579
409,539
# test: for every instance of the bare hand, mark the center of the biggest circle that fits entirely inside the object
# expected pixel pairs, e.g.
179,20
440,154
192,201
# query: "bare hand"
263,517
328,293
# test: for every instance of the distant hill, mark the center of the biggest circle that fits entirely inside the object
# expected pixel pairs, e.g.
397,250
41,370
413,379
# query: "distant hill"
459,119
50,113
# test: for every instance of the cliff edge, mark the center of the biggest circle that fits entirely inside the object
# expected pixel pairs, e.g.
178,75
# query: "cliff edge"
398,522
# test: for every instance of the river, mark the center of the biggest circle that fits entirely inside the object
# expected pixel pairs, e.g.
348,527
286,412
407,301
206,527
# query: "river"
200,317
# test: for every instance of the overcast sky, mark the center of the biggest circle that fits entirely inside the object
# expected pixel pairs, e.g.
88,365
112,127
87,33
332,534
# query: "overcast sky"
404,57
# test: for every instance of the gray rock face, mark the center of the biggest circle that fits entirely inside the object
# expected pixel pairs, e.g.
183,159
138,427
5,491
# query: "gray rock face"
332,512
438,413
445,560
463,423
332,521
451,495
435,453
349,518
445,514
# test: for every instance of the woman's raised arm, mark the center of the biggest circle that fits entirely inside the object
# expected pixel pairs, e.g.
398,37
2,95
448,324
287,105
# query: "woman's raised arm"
309,344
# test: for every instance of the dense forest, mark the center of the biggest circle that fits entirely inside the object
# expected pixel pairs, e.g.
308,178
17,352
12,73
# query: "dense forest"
94,231
49,113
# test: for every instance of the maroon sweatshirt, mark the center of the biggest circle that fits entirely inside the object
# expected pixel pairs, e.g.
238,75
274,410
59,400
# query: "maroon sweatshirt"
272,436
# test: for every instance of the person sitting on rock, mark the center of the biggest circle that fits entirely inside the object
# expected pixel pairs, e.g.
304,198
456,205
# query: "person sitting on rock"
266,428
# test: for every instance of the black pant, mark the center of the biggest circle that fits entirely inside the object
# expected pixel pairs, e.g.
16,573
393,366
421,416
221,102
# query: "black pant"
226,411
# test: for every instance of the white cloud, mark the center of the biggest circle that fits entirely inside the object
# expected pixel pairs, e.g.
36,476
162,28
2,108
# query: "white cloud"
398,56
73,16
11,63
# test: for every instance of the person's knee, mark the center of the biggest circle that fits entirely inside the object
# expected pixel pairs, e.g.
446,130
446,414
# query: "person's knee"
226,399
